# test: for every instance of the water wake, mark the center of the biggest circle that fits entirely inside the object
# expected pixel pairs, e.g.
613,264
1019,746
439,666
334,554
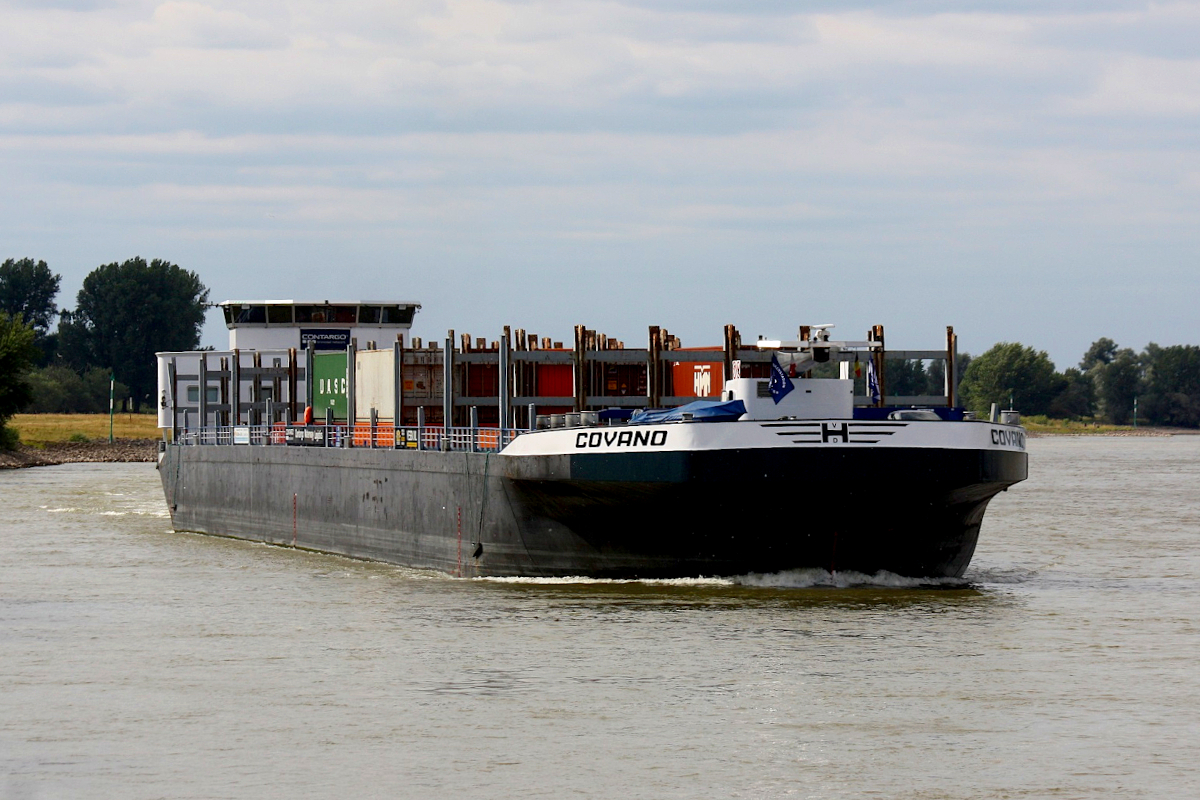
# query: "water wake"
575,580
787,579
821,578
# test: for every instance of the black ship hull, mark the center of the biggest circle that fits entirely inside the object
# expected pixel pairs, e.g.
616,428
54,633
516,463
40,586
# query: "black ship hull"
678,513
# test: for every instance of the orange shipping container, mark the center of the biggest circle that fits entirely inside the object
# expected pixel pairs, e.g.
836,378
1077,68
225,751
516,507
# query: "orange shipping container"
698,379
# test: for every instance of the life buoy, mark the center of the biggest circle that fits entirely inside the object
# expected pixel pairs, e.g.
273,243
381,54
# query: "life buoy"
308,415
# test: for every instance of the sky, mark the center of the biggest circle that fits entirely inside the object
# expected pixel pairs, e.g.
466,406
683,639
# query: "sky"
1024,171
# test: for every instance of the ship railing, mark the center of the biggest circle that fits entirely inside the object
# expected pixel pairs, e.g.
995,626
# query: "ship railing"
459,440
471,440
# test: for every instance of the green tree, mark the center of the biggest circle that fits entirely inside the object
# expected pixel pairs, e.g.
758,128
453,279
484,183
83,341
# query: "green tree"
1172,385
74,343
1011,371
1120,381
1078,397
17,354
1102,352
58,389
27,290
127,312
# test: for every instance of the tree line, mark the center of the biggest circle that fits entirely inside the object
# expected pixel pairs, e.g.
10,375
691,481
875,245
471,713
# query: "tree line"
61,360
1161,385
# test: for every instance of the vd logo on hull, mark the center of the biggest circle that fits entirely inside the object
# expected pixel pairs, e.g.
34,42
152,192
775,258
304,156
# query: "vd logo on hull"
835,433
852,433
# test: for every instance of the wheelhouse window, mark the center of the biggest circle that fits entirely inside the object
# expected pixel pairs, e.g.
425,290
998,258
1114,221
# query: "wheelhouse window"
251,314
368,315
279,315
318,314
397,315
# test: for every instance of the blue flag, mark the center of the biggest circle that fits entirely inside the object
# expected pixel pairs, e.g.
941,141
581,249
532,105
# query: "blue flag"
780,383
872,381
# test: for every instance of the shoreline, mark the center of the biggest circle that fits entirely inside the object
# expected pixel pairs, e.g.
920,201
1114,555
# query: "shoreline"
1148,432
55,453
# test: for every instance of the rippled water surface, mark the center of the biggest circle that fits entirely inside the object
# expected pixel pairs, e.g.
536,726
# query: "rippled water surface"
140,663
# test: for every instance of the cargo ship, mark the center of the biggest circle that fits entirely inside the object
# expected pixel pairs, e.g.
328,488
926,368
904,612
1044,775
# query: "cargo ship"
523,457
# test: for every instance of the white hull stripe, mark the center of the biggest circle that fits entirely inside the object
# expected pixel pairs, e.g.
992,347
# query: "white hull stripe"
973,435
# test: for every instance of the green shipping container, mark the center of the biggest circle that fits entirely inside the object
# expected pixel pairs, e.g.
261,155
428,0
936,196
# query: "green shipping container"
329,389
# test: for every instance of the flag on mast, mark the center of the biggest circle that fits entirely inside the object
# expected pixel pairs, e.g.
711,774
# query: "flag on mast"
780,384
872,381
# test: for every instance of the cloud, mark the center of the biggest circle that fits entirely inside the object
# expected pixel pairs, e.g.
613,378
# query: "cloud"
196,25
1051,143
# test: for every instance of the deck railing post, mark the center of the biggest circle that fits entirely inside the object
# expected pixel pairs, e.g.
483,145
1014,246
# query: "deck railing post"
420,427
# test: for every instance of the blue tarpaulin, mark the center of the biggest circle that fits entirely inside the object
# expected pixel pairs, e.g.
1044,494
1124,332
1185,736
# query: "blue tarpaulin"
701,411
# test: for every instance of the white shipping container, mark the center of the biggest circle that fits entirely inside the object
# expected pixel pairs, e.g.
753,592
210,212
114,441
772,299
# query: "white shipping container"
374,384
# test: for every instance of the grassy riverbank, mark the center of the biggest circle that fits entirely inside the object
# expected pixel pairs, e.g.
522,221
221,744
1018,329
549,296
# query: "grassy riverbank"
39,430
1039,425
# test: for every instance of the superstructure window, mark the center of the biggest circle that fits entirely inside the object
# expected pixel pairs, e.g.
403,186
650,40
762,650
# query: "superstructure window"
279,315
346,314
368,315
251,314
397,315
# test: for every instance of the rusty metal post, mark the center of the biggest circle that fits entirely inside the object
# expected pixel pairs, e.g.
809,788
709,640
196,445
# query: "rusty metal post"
730,355
577,368
652,368
951,367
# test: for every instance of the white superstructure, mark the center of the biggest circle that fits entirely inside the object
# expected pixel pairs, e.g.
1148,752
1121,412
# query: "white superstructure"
263,334
329,324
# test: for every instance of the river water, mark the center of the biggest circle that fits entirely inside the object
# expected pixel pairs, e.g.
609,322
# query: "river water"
140,663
